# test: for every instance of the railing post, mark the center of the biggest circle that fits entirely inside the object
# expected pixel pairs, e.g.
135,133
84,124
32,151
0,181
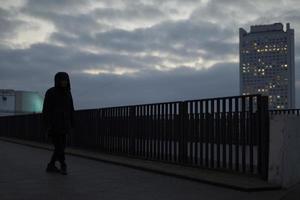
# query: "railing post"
132,130
183,114
263,137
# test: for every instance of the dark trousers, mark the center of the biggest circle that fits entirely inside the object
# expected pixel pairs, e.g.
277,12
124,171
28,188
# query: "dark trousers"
59,142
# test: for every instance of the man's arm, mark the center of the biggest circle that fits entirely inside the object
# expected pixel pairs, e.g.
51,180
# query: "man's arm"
72,111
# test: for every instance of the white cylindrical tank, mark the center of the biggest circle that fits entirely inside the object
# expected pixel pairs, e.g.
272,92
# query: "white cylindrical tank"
20,102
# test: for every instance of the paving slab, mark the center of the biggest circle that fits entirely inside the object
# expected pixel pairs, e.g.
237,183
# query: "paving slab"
219,178
23,177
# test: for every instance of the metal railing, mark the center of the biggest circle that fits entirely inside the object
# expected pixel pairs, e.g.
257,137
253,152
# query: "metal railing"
285,112
228,133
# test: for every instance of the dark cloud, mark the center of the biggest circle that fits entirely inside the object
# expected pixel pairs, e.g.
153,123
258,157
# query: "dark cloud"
181,38
135,35
110,90
56,6
153,86
135,11
52,58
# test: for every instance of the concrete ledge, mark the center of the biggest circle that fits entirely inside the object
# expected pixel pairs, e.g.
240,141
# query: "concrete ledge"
218,178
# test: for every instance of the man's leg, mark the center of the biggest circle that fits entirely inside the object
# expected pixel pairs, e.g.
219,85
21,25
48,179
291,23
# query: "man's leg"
55,156
62,146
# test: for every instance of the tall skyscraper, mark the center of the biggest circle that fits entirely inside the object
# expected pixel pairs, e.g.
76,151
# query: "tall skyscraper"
267,64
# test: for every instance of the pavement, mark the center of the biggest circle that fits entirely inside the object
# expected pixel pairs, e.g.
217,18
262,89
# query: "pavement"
23,176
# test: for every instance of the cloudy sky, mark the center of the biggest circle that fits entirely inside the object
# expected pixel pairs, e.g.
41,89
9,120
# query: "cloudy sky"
120,52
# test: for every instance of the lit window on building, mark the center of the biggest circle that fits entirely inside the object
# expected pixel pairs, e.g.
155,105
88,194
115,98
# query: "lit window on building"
264,68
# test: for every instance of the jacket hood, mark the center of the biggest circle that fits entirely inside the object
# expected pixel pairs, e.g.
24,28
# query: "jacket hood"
60,76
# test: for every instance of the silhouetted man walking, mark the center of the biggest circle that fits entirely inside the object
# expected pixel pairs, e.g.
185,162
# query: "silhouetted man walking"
58,119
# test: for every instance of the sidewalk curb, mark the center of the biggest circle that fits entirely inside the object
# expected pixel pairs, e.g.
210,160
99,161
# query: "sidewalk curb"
232,181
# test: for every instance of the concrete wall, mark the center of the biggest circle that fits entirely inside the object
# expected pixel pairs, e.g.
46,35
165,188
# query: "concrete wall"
284,157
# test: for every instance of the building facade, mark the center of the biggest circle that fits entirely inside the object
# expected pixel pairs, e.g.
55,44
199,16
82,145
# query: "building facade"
267,64
19,102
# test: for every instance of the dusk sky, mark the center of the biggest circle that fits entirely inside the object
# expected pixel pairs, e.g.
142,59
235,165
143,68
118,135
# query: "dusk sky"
120,52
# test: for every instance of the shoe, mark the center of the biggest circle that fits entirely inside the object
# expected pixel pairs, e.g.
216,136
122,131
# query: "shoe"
63,169
52,168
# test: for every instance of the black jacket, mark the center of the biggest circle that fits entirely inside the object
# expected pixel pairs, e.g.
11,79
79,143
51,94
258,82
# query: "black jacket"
58,109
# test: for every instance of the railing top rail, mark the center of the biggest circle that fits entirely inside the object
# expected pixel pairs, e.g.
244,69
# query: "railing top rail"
228,97
134,105
20,115
281,110
159,103
173,102
285,111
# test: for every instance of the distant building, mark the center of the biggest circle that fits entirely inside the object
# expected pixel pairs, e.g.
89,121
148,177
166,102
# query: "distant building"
267,64
19,102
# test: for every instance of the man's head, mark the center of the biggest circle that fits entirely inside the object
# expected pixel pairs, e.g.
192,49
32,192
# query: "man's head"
64,83
62,80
